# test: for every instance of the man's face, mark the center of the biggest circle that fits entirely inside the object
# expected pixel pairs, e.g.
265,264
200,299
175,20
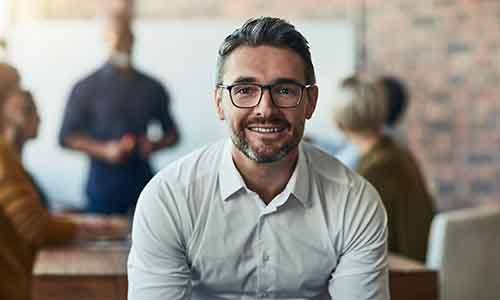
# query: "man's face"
20,112
120,8
119,38
265,133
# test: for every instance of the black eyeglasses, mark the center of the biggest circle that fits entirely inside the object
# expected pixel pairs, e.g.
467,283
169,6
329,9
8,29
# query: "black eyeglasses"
283,95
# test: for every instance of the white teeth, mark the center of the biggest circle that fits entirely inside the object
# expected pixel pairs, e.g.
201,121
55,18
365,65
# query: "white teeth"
266,130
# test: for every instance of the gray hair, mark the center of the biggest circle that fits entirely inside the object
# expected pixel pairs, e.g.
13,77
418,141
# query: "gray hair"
362,107
269,31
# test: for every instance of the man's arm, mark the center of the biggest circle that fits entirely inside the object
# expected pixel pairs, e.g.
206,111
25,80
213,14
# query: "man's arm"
362,270
77,122
169,138
111,151
147,146
21,205
158,264
170,132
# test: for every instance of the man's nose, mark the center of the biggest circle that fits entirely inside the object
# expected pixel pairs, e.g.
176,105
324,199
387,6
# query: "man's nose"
266,105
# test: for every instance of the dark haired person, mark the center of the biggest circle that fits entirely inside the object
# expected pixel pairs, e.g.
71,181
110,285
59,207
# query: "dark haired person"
260,215
107,117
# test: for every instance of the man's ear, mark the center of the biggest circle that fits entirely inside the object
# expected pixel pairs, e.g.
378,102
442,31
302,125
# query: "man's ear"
218,103
312,95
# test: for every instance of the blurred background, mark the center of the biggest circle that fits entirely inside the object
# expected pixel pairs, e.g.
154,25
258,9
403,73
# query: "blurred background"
447,52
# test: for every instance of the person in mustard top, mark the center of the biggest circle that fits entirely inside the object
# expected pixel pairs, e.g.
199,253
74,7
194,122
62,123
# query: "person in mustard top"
25,225
388,166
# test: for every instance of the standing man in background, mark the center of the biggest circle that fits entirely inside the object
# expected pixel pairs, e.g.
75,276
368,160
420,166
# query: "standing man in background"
107,117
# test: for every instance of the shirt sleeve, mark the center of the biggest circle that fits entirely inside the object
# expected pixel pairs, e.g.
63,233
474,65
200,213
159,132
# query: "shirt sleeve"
76,114
157,263
164,116
362,269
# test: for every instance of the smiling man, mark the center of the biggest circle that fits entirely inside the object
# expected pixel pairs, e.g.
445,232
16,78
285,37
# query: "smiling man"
260,215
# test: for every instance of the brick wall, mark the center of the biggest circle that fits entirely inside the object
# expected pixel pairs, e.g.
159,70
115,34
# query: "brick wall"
449,53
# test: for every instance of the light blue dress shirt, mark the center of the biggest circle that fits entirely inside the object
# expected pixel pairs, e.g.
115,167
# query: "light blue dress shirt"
200,233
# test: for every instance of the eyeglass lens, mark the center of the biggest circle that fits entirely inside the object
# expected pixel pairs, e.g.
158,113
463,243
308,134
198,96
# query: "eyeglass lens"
283,94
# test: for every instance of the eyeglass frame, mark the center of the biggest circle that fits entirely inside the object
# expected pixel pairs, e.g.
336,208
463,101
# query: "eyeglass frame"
262,90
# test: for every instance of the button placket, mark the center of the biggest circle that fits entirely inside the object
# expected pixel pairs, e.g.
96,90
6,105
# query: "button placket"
263,259
265,277
259,251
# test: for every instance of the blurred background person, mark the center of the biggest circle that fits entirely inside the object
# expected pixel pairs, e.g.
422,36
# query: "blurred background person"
392,169
119,9
21,123
25,225
397,101
9,79
107,117
397,97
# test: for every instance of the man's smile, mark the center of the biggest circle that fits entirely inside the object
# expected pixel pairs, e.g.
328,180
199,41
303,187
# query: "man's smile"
266,129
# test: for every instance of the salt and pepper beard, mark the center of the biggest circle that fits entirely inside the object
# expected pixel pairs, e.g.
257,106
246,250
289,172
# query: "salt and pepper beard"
241,143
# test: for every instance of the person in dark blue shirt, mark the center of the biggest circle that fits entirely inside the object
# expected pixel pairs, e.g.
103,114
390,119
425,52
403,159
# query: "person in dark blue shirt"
107,117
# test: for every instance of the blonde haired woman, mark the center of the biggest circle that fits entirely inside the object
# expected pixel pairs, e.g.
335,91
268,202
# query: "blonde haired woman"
361,115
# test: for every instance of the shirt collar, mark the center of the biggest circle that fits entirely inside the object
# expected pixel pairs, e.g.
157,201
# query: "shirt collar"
300,188
111,70
230,179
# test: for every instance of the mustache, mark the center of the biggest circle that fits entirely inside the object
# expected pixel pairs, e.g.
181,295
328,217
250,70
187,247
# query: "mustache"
274,120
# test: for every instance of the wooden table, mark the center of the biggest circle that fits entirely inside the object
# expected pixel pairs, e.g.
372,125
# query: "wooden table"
82,271
411,280
97,271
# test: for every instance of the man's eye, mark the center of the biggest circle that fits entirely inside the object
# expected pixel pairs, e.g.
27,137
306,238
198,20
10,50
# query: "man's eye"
284,91
244,90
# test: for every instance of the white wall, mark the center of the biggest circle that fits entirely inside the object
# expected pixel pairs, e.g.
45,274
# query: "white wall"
51,56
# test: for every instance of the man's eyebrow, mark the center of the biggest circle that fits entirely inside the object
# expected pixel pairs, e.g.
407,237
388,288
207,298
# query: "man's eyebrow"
243,79
286,80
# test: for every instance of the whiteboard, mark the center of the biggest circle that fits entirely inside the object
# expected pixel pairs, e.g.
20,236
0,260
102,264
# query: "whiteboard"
53,55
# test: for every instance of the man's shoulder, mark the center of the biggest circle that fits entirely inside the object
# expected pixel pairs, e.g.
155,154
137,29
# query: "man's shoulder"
90,78
149,79
328,167
199,163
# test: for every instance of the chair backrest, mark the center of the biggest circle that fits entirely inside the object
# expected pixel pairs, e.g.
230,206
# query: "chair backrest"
464,246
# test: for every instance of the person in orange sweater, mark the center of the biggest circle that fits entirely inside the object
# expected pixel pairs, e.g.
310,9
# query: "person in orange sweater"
25,224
